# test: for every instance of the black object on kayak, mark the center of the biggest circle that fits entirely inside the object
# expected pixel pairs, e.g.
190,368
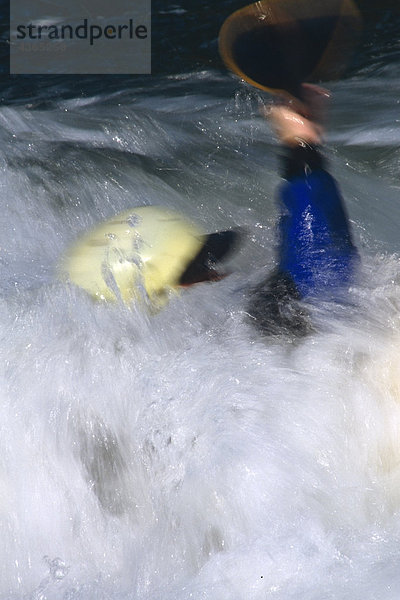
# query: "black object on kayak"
216,248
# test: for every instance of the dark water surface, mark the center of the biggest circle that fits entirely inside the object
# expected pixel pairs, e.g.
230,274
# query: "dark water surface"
184,39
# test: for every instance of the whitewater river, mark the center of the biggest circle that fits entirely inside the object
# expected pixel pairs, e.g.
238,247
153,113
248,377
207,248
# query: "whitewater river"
184,456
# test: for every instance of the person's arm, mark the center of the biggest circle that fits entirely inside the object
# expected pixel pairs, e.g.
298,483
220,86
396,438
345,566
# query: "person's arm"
314,232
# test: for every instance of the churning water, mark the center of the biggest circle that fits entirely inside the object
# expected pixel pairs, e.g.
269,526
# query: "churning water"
183,456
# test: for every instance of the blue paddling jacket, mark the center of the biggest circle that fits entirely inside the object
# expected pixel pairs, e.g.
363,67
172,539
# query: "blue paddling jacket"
315,243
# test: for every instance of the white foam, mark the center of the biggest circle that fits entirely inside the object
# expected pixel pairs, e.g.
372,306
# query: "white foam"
183,456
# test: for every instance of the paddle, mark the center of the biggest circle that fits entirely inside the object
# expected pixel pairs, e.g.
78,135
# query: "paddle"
276,45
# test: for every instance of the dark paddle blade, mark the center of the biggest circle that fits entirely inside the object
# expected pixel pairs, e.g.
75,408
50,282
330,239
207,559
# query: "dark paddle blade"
276,45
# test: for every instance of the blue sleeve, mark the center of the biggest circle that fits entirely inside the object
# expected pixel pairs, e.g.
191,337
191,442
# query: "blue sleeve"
315,242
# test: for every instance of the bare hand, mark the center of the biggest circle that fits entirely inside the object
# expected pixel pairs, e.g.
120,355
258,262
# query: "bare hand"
300,121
